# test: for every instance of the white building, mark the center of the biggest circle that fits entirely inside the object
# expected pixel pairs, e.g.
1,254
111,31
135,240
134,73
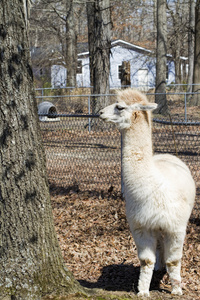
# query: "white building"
138,63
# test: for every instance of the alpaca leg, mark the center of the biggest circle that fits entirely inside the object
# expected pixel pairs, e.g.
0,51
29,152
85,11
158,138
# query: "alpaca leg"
173,253
146,271
174,270
146,247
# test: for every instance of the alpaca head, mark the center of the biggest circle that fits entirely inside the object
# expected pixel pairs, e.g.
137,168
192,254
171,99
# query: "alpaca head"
128,102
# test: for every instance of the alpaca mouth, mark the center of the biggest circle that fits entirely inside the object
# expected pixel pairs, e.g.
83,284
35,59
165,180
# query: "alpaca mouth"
108,119
103,117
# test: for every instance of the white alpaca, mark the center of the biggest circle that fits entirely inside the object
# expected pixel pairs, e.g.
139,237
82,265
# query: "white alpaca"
159,191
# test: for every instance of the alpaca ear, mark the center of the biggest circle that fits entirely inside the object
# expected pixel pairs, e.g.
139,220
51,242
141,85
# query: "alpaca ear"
148,107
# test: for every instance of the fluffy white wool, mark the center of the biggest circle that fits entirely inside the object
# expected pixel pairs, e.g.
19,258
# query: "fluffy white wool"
159,190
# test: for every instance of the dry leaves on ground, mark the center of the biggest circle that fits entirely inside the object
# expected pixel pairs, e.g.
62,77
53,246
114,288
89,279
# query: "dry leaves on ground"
98,248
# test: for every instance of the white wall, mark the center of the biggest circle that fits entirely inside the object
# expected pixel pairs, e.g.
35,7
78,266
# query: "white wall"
138,63
83,80
171,72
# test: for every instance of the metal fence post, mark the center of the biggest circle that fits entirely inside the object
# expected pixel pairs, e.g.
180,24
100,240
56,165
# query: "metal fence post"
185,108
122,183
89,121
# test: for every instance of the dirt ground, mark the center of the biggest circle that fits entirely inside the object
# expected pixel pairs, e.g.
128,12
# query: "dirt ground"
98,248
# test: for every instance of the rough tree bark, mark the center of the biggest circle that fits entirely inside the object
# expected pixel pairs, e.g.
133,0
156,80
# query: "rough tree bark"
196,88
161,58
177,60
99,38
71,45
30,257
191,45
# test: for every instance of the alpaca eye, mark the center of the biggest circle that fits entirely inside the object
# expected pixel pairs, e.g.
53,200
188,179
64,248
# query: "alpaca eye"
119,107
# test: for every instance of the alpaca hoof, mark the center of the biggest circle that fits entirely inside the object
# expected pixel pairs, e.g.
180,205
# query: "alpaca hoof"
143,294
177,291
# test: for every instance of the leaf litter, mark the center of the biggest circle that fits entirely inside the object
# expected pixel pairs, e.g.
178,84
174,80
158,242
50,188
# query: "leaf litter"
98,248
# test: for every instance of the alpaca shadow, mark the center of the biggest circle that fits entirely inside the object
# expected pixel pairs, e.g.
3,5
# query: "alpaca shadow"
123,277
116,278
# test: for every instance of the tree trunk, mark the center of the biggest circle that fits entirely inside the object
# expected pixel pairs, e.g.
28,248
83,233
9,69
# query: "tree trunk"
161,59
99,38
30,257
191,45
154,19
196,88
71,45
177,47
177,61
91,36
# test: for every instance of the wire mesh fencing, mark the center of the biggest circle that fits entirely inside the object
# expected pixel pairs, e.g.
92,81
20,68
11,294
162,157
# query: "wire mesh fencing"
77,156
83,153
81,101
79,159
92,159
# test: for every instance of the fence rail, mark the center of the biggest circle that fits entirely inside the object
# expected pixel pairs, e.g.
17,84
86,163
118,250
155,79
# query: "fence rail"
71,104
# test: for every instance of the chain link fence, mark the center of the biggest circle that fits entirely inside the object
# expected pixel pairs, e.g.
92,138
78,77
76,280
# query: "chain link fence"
83,152
77,156
92,159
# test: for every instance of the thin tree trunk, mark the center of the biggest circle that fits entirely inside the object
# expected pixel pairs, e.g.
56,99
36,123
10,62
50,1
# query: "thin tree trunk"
71,45
196,88
91,37
177,61
161,59
155,18
30,257
191,45
99,38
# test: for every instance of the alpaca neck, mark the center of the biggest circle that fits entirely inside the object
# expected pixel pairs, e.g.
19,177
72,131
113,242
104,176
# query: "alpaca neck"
137,145
137,162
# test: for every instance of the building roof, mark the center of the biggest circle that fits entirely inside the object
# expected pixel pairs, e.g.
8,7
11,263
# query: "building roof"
123,44
130,46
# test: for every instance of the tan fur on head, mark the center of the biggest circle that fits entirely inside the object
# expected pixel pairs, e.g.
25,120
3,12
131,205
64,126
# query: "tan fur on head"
140,116
131,95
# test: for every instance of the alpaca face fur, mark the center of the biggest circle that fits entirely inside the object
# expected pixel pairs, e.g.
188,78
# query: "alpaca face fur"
159,191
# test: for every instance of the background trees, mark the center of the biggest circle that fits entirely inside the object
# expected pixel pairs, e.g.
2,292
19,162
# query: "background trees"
178,35
161,57
53,28
71,44
196,88
99,39
191,44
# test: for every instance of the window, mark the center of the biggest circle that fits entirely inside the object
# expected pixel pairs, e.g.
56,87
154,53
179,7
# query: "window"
79,67
120,72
